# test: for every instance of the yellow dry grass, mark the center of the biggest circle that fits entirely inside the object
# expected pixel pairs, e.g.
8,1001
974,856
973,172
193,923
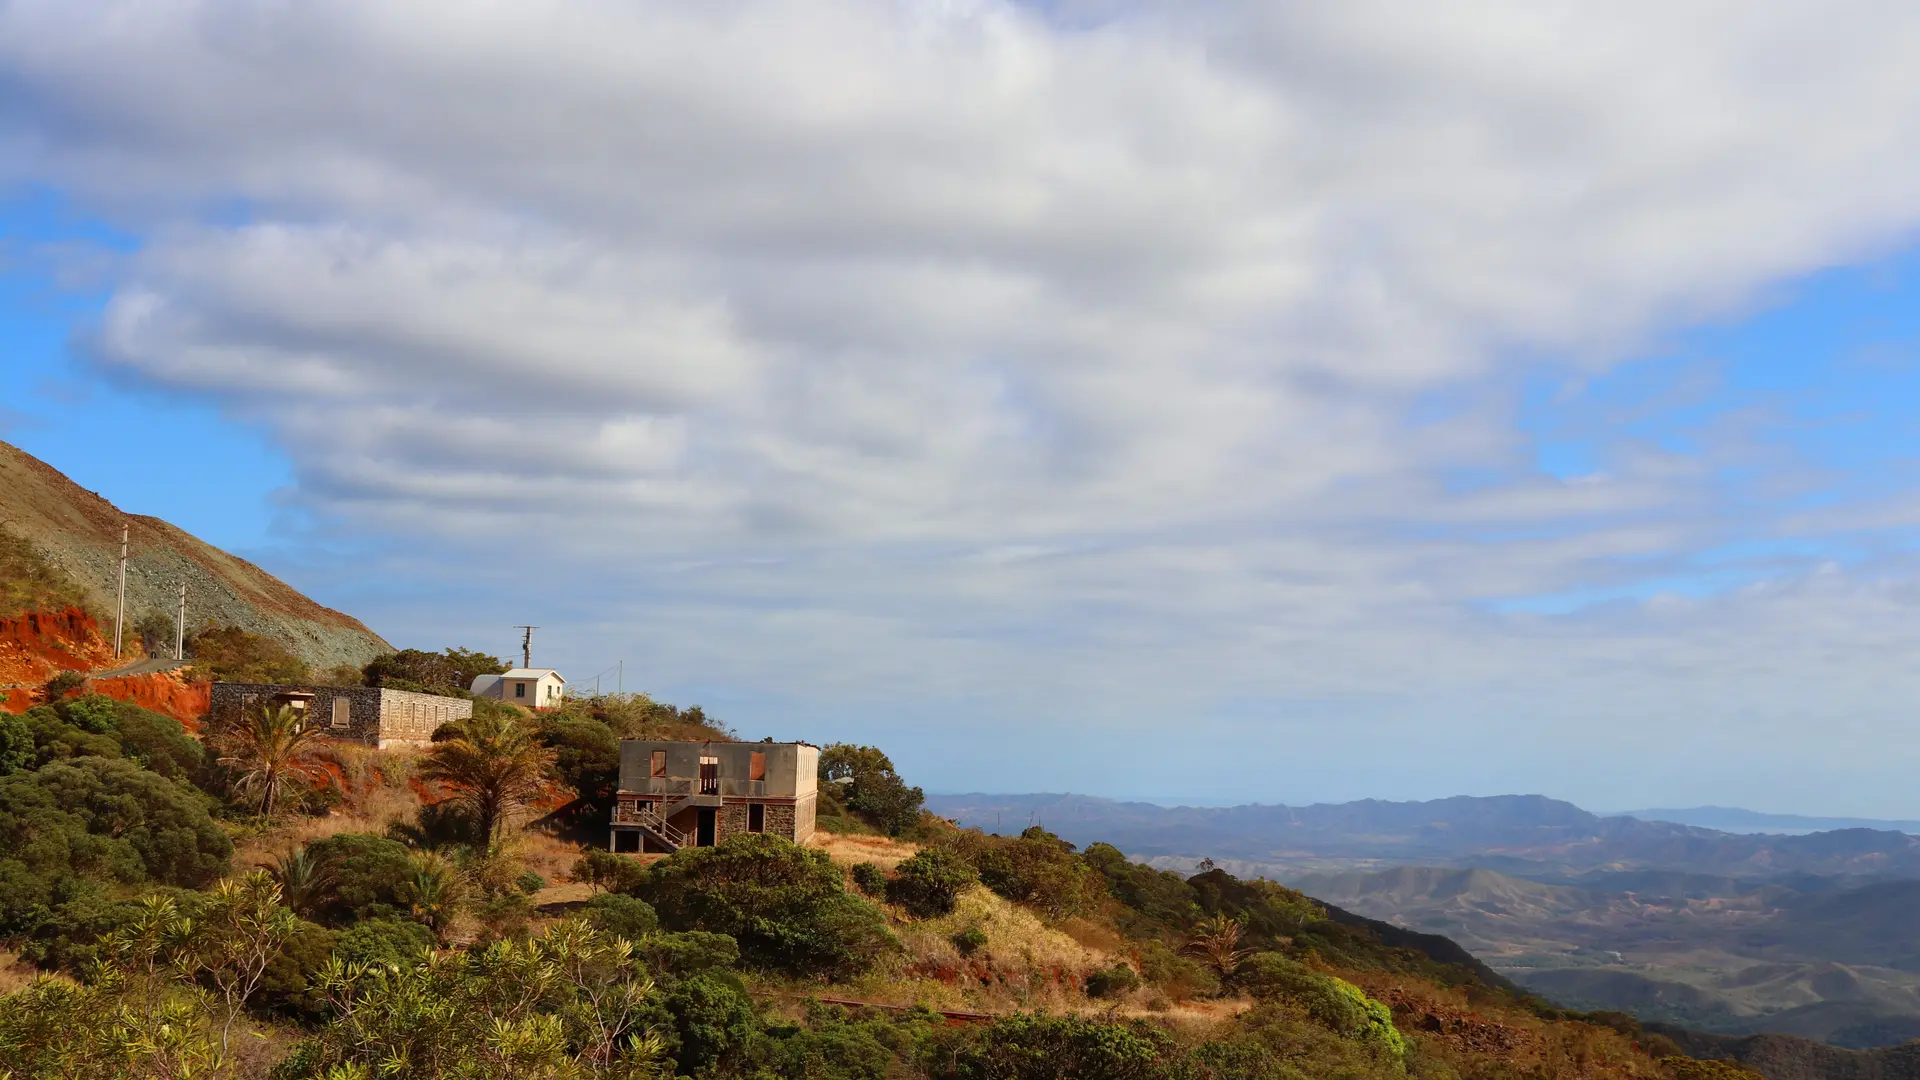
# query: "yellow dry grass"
847,849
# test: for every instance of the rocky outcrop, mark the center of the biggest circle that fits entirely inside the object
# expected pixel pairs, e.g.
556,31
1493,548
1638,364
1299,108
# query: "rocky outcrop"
78,533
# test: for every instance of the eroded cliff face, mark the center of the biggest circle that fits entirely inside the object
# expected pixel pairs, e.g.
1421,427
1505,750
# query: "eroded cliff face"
38,645
78,534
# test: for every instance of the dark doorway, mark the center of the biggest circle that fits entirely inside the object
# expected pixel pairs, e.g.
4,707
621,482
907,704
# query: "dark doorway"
705,838
756,818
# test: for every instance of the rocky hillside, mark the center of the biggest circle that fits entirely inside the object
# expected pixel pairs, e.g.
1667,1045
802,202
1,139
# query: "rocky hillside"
78,535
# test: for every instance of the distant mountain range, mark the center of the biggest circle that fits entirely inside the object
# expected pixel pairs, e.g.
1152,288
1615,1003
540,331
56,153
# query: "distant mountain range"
1734,820
1525,835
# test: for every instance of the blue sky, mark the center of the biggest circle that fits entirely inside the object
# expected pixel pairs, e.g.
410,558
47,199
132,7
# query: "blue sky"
1470,400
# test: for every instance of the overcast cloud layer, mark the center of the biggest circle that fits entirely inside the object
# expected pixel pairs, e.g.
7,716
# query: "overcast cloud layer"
939,371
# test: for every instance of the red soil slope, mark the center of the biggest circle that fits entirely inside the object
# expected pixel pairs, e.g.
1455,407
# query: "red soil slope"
38,645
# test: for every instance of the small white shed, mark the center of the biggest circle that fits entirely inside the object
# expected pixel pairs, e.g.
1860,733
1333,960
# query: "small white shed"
536,688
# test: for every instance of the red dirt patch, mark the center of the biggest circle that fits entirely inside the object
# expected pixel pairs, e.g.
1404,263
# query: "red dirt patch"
163,692
38,645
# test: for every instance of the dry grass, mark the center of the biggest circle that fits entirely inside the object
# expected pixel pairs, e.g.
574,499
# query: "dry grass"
17,974
846,849
377,794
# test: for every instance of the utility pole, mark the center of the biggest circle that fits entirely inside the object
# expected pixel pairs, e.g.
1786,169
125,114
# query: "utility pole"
526,645
180,626
120,612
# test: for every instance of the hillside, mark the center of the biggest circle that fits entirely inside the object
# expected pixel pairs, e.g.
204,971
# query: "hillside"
78,534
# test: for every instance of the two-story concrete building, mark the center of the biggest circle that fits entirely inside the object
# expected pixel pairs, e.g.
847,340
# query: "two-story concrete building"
373,715
673,794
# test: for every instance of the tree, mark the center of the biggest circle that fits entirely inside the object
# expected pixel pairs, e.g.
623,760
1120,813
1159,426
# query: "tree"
268,747
305,881
495,765
107,818
16,744
434,892
1217,940
877,794
231,654
451,671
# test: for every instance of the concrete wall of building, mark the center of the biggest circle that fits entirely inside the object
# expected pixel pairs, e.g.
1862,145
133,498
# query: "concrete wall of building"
792,769
375,716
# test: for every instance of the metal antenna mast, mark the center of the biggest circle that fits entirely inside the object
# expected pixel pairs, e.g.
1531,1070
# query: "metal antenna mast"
526,645
120,612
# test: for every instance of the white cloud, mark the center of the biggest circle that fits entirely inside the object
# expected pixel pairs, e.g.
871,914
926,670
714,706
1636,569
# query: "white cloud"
1074,356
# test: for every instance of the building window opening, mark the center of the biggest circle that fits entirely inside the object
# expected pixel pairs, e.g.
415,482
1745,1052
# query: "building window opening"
659,763
709,776
756,818
757,766
342,713
519,689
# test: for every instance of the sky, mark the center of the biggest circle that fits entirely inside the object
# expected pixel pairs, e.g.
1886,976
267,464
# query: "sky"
1236,401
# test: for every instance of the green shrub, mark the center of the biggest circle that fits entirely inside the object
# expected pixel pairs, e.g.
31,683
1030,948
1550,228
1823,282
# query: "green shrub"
1036,868
870,878
586,754
1333,1003
1112,982
16,744
784,905
713,1019
1040,1047
110,819
680,955
929,884
529,882
622,916
95,713
158,742
383,941
368,875
230,654
605,870
970,941
62,684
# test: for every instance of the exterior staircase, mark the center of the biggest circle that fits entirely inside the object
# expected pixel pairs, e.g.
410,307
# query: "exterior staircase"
656,825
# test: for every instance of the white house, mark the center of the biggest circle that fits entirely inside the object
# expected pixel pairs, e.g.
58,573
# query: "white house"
536,688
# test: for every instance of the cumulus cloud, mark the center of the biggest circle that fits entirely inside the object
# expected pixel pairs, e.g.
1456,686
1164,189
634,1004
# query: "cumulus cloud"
1082,354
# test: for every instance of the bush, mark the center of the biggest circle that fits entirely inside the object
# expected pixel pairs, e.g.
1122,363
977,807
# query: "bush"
16,744
1333,1003
1112,982
613,873
383,941
929,884
713,1019
622,916
680,955
158,742
1040,1047
970,941
95,713
108,818
870,878
62,684
1036,868
586,754
368,874
529,882
784,905
451,672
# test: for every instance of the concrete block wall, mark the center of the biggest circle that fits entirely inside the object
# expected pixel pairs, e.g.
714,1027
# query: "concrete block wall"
375,716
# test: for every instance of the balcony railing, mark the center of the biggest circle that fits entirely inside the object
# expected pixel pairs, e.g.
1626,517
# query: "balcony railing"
674,787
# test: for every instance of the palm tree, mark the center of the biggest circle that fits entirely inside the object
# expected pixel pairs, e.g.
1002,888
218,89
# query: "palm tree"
304,880
495,764
269,749
1217,940
433,892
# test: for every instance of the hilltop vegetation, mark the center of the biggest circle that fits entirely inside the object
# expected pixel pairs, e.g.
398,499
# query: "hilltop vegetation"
395,914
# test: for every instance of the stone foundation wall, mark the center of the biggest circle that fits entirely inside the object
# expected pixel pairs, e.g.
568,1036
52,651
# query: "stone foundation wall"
407,718
780,820
730,821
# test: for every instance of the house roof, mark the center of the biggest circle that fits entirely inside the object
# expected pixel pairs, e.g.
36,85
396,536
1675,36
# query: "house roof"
533,673
483,683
